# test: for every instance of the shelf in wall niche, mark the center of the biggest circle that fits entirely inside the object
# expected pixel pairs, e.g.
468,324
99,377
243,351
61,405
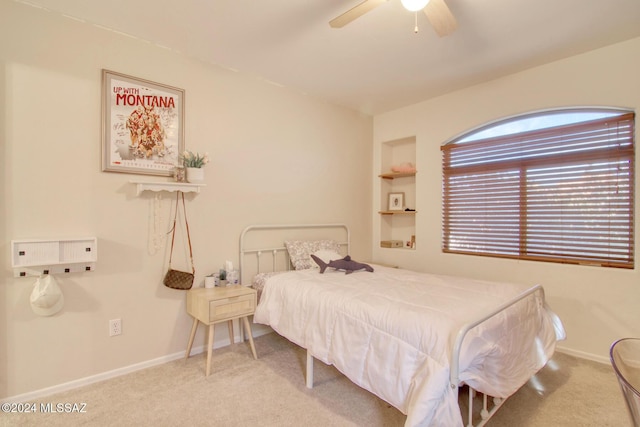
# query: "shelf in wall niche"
392,175
185,187
397,212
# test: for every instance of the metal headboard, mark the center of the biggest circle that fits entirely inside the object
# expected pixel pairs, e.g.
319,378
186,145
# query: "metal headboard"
279,248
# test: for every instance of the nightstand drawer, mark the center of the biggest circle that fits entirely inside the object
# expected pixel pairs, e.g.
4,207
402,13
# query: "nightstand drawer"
232,307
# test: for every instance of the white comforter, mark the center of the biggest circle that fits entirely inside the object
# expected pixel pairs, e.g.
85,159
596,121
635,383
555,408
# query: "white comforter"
391,332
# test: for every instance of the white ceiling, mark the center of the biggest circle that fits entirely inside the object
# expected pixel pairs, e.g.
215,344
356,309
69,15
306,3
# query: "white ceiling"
377,63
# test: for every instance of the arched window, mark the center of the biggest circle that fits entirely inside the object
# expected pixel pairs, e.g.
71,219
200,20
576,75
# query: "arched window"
554,186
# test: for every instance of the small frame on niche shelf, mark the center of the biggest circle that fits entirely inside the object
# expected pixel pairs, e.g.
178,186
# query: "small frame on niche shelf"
396,202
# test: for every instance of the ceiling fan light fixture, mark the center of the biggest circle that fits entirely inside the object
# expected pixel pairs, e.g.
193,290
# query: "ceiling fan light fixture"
414,5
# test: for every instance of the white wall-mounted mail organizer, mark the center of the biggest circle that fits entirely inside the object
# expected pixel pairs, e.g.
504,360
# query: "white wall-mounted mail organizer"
48,256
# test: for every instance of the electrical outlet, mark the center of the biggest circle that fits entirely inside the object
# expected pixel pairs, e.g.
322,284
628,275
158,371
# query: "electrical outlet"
115,327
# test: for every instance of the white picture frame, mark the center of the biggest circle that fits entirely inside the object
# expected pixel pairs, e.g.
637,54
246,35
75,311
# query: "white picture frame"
142,125
396,202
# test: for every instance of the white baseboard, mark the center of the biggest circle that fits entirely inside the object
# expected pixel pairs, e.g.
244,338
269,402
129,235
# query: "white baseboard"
33,395
584,355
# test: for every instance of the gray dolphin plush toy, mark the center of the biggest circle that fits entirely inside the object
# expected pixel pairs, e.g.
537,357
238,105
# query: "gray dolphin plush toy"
346,264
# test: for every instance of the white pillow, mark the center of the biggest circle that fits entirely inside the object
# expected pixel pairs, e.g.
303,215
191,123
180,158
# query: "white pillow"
326,256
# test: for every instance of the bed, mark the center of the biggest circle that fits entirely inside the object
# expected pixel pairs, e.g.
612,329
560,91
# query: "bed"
411,338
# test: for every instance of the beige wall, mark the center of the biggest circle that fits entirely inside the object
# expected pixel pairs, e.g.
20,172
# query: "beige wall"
277,156
597,305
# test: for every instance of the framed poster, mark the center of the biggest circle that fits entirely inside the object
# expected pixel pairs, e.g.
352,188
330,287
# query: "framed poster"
142,125
396,201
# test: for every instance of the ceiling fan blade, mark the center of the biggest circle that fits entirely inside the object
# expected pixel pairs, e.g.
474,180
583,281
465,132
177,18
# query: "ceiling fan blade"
440,17
355,12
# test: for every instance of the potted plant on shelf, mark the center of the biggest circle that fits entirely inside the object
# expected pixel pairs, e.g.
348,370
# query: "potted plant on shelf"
194,164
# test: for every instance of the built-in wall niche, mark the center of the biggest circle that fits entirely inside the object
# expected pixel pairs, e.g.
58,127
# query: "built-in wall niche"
398,194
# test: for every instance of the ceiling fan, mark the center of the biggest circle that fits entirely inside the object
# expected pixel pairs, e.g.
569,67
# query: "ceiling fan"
437,11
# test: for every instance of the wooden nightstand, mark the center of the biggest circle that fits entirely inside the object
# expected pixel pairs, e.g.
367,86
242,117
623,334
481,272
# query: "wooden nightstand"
215,305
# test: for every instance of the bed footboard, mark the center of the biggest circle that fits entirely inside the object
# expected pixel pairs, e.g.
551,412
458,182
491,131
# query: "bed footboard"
457,345
454,381
490,404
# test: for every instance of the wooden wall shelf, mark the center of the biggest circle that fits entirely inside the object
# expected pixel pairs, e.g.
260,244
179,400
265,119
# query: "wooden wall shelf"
392,175
397,212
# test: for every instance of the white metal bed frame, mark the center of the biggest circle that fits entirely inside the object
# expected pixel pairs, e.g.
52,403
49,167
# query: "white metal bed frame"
274,250
487,410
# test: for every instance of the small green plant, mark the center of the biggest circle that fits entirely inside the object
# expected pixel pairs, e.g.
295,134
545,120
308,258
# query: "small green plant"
191,160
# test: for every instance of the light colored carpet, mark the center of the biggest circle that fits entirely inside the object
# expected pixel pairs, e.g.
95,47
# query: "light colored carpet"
271,392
